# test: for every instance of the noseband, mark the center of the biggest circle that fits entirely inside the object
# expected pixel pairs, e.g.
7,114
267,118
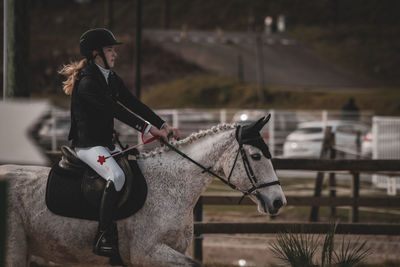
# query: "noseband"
249,171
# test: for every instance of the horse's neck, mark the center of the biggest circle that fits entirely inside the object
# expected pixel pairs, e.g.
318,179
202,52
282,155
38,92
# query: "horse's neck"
183,177
209,149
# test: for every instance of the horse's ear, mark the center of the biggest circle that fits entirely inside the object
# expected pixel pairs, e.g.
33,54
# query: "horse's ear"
261,122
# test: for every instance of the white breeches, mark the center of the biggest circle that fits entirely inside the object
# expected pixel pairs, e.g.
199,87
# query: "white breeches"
109,170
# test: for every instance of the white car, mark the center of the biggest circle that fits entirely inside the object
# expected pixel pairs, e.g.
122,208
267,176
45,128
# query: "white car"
306,140
366,145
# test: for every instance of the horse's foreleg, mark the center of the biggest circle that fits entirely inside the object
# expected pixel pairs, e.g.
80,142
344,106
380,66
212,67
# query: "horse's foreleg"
165,256
17,248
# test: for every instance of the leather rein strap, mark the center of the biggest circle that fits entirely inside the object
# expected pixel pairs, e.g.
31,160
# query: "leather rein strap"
246,163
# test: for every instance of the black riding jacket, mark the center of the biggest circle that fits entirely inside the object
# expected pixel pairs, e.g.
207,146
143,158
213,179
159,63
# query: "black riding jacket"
94,106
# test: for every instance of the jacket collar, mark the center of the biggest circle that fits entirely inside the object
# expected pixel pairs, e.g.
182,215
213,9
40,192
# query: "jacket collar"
106,72
93,71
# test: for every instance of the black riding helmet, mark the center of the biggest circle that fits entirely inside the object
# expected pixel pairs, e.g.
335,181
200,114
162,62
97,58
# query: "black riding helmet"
95,40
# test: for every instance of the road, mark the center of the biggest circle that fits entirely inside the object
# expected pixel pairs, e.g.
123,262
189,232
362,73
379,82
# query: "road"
285,61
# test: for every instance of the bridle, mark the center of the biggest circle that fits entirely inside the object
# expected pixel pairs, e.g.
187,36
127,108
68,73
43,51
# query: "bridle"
249,171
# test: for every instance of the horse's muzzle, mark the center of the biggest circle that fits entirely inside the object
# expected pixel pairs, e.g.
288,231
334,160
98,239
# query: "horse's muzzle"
278,204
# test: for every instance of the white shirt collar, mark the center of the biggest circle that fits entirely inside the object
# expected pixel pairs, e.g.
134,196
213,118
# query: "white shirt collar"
104,71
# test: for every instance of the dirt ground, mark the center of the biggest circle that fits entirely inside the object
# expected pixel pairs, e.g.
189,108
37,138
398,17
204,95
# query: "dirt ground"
254,250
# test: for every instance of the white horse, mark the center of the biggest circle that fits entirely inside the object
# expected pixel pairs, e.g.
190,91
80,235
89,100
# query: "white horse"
158,234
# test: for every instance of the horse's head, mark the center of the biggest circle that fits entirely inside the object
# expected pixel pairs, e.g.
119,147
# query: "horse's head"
247,164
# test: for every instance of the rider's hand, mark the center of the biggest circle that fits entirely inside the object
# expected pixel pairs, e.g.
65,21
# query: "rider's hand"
161,134
175,132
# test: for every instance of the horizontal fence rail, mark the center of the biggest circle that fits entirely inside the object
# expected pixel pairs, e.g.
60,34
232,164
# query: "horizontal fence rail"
310,228
388,202
351,165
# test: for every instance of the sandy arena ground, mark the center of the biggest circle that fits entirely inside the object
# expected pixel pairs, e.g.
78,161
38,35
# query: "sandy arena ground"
254,250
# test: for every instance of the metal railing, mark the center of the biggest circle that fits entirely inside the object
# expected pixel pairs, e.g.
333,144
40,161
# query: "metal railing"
55,127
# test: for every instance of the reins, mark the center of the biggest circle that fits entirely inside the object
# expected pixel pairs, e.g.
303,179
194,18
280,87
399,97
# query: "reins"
246,163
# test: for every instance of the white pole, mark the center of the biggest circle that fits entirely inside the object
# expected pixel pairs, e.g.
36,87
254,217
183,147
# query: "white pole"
175,118
222,116
5,41
375,138
271,132
324,120
53,130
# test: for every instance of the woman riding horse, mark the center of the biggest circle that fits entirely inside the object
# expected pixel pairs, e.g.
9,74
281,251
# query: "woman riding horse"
98,95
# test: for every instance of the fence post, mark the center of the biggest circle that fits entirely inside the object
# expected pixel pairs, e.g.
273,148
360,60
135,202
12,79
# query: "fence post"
260,68
332,176
198,239
320,175
355,185
240,69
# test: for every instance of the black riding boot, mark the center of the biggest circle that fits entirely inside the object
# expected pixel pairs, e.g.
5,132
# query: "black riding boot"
106,240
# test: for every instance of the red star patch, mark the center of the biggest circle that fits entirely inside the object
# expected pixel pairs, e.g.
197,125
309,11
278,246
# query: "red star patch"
101,160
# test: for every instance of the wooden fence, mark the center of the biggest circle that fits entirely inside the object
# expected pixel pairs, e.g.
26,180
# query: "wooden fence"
311,227
353,166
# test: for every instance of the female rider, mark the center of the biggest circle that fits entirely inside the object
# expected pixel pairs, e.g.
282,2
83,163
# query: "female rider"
98,96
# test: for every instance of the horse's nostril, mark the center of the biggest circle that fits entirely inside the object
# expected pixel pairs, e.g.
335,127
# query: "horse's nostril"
278,204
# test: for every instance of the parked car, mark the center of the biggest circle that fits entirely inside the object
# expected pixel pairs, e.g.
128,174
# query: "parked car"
306,140
247,116
47,133
283,121
366,145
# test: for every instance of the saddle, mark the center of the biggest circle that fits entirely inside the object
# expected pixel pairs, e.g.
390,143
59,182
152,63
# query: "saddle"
75,190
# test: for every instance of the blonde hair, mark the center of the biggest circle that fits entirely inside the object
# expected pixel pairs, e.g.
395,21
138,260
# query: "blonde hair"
71,71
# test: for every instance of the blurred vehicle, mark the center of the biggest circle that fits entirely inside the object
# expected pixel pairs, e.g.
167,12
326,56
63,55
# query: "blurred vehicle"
248,116
283,121
306,140
366,145
47,133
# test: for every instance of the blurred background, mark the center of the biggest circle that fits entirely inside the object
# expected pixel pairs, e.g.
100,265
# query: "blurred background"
239,53
204,62
310,63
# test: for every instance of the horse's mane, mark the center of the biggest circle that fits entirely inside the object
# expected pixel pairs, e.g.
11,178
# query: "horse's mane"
190,139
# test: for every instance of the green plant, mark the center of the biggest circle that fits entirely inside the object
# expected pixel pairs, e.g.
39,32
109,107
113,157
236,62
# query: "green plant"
327,249
351,254
298,250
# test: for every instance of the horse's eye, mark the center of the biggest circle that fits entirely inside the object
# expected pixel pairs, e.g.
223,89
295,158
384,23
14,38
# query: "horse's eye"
256,156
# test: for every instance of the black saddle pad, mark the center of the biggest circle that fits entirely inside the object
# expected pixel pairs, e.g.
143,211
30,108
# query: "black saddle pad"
64,195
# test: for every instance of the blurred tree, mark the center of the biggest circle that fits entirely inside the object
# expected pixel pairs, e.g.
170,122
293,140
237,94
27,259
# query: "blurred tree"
335,11
165,14
18,48
108,14
138,77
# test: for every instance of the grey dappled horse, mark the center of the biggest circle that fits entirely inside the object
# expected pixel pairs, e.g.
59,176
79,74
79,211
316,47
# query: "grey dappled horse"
158,234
